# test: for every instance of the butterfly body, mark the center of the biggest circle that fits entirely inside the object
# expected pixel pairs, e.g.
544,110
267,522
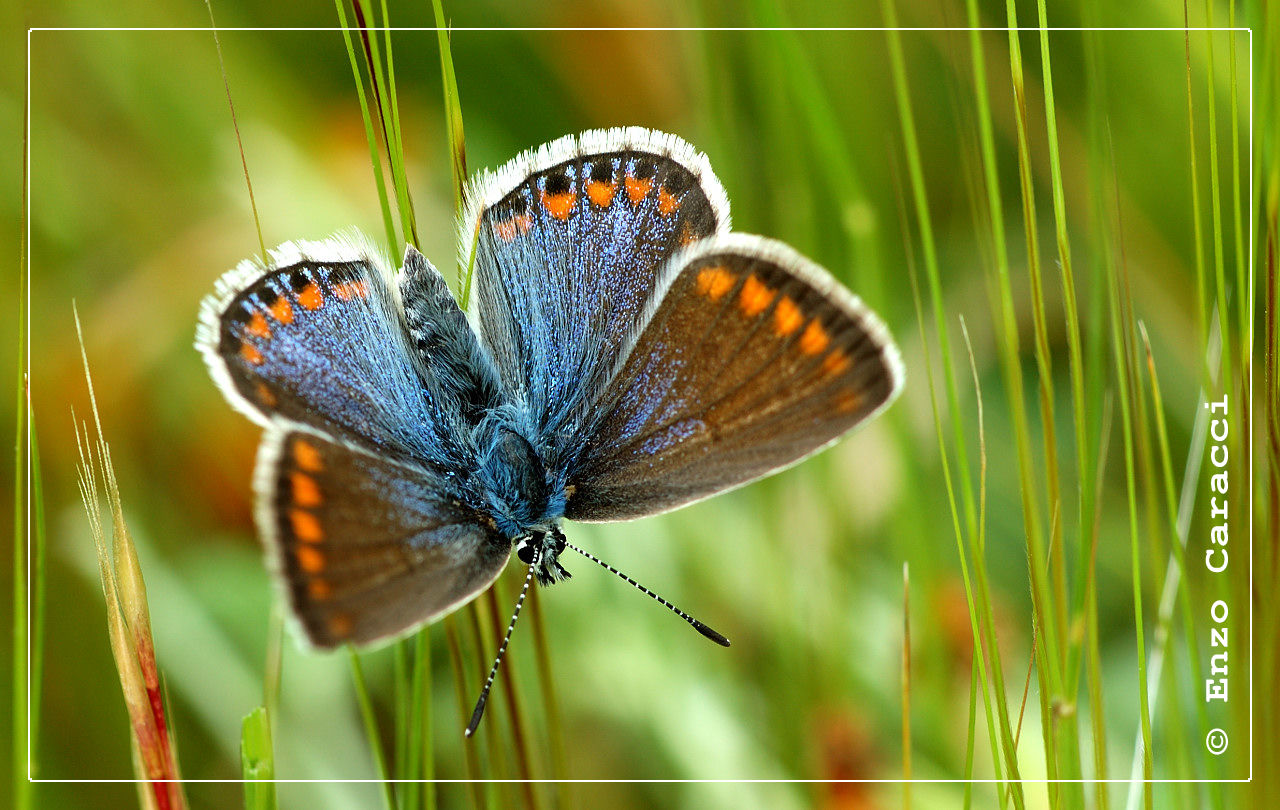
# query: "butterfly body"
625,354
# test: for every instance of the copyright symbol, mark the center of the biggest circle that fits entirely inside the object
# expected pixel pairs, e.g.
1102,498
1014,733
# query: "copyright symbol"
1216,742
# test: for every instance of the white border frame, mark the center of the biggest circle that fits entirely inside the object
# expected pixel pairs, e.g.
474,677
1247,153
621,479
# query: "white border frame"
1252,258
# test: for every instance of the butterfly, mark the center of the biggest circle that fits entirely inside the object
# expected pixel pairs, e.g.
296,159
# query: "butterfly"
625,353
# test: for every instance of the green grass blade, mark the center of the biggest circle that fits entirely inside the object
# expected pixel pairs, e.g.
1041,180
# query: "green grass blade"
396,145
906,687
1099,400
257,761
1219,258
384,100
402,768
417,751
452,108
1048,579
371,730
513,704
979,610
1178,511
1010,366
821,128
972,735
470,759
457,140
1124,369
1066,722
1202,297
498,789
550,702
1242,258
388,220
1093,664
39,545
1079,410
923,215
27,651
235,125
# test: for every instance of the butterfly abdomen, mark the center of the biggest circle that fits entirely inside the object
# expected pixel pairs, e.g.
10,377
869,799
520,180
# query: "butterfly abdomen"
455,367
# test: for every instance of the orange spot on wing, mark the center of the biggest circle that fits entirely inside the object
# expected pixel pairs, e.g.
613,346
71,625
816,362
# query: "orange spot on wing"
310,296
686,235
836,363
755,297
351,289
559,205
714,282
815,339
601,193
637,188
509,229
848,401
251,354
787,317
258,325
265,395
667,202
282,310
306,526
309,559
319,589
306,456
306,492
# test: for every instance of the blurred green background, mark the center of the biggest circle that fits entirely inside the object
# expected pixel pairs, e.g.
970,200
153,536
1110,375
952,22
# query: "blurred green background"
138,204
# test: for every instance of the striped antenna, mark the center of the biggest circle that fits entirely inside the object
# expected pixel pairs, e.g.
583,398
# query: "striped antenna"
488,684
697,625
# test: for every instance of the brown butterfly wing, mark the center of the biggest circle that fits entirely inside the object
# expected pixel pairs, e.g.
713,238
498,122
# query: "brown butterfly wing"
367,548
752,359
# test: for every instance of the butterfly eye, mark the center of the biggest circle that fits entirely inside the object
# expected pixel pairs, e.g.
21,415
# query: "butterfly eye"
526,551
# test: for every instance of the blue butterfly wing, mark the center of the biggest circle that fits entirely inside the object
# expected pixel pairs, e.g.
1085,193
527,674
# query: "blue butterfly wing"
368,387
317,336
752,359
570,243
367,547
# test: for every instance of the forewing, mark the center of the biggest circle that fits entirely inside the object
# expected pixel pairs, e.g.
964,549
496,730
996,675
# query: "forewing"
570,243
366,548
315,336
752,359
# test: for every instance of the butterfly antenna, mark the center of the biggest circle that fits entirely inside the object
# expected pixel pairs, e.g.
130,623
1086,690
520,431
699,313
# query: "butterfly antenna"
502,650
697,625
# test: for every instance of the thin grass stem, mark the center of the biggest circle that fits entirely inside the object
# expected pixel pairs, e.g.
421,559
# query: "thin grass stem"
906,686
1215,191
550,700
1122,356
235,125
385,102
1202,296
978,611
257,761
470,759
1010,366
388,220
370,720
25,707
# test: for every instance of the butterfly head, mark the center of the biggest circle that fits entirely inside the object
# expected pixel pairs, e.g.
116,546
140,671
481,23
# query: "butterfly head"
543,548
